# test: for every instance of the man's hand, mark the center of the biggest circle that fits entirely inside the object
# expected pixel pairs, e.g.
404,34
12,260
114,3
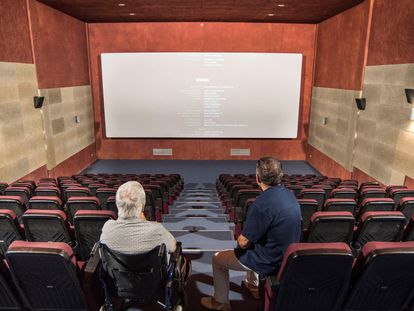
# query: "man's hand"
243,242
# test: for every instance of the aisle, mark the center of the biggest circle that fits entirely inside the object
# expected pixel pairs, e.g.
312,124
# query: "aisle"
197,219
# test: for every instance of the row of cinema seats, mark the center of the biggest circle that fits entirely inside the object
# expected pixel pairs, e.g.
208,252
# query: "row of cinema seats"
79,220
354,221
43,276
325,276
313,276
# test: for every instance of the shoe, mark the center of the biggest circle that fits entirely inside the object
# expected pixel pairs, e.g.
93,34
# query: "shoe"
254,291
211,304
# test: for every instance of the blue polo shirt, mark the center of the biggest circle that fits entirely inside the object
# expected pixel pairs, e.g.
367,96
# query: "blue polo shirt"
272,222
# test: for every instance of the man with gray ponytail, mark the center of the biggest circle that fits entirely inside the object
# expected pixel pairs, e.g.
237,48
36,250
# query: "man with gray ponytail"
131,233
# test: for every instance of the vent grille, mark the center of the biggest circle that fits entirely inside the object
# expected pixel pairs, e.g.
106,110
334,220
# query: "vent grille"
239,152
162,151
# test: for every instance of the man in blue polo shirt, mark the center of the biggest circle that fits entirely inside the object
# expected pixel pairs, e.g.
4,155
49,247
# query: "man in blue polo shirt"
273,222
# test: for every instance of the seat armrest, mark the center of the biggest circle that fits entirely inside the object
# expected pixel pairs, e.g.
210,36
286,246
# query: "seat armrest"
273,282
238,214
178,250
94,260
90,280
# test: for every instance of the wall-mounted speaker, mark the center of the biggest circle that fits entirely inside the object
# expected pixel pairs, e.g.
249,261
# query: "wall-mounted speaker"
38,101
410,95
361,103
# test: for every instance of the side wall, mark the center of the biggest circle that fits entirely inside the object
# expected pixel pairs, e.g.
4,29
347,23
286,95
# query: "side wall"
380,139
196,37
21,129
44,52
339,67
385,135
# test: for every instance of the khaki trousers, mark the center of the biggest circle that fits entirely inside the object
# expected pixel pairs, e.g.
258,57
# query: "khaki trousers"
223,262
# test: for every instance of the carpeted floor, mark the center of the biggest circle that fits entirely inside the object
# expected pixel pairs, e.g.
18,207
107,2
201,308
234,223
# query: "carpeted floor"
193,171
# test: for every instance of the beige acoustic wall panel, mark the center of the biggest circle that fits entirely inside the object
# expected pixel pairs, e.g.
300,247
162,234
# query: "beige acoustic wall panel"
385,134
333,123
68,119
22,146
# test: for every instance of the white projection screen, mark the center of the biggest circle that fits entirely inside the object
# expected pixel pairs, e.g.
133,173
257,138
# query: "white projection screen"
201,95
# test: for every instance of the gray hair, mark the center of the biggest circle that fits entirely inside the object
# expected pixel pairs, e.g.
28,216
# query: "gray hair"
130,200
269,171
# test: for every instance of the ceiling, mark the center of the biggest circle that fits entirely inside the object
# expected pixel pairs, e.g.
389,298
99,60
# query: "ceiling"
268,11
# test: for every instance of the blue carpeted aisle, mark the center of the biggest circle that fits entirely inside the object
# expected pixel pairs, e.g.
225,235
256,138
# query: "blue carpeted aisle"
197,219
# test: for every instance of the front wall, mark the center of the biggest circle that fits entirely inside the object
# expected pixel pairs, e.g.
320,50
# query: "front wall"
201,37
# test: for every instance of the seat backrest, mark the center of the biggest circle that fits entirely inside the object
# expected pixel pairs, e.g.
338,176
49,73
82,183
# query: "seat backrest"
46,276
389,188
307,208
296,189
23,192
9,230
103,194
46,226
76,192
244,194
75,204
344,193
139,277
367,193
314,276
406,206
3,187
380,226
88,228
340,205
327,227
47,203
376,205
316,194
383,277
47,191
409,230
14,203
398,194
8,296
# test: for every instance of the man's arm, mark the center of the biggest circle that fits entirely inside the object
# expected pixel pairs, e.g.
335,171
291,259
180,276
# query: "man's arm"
243,242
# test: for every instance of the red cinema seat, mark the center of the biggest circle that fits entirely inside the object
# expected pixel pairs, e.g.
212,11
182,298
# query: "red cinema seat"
49,277
14,203
383,277
47,203
88,228
46,226
327,227
9,230
313,276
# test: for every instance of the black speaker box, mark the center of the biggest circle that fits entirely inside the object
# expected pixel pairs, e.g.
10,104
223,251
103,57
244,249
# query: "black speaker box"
38,101
361,103
410,95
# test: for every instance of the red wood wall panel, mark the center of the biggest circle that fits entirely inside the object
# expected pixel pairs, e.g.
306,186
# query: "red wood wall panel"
391,39
201,37
76,163
361,176
326,165
341,49
409,182
60,47
15,43
41,172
